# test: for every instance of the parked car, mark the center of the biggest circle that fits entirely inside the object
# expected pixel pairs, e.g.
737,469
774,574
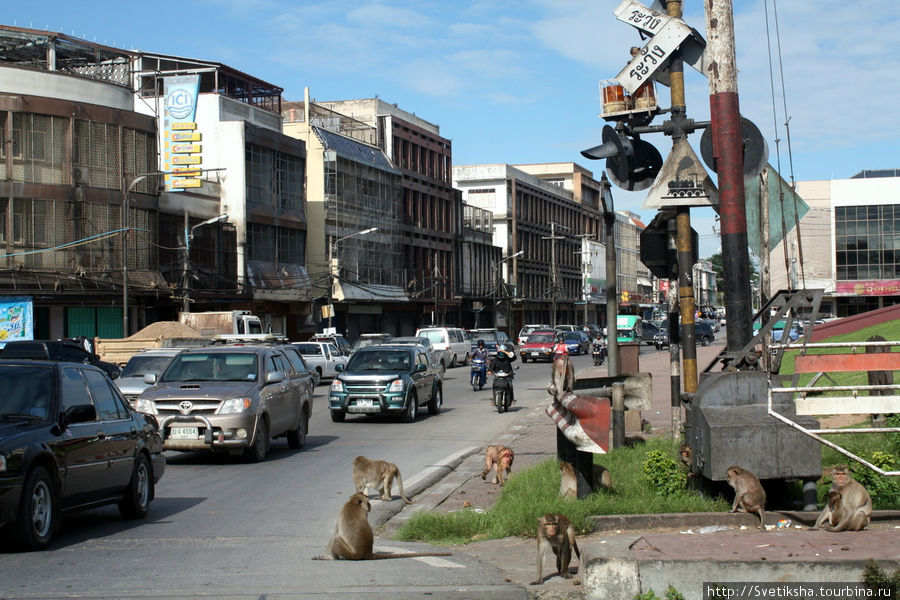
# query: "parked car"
321,358
339,341
539,345
69,441
576,342
450,339
386,379
649,331
70,350
151,360
711,322
232,398
367,339
794,332
438,358
703,334
491,338
526,331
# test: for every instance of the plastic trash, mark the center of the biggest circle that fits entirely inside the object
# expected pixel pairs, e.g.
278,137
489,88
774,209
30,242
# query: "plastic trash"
782,523
714,528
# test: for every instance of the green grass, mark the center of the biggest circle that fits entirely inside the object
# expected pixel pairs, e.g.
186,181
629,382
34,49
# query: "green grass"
535,491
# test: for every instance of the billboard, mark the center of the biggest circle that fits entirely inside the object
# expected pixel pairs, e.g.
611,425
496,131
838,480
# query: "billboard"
16,319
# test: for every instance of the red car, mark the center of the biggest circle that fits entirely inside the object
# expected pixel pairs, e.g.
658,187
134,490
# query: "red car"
539,345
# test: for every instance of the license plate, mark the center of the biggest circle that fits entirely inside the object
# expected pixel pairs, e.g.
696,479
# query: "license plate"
183,433
364,402
535,353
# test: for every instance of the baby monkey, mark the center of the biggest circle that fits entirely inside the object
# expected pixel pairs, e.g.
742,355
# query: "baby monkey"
555,533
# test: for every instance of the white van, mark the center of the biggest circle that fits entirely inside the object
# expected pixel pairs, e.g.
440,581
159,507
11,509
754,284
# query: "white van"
450,339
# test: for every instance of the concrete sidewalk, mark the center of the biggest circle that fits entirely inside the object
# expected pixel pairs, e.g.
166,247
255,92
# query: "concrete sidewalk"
631,554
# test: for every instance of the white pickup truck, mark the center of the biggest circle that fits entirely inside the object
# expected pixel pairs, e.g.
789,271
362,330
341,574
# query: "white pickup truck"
321,357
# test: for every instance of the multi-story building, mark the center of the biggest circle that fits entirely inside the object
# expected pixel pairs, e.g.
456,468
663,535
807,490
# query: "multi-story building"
540,226
858,221
72,148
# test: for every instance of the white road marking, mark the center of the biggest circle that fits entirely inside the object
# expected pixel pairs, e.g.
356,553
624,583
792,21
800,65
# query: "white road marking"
434,561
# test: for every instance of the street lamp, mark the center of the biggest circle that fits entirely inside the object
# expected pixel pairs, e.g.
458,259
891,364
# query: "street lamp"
499,281
332,249
188,236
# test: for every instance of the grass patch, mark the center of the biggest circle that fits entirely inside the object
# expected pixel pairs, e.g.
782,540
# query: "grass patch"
535,492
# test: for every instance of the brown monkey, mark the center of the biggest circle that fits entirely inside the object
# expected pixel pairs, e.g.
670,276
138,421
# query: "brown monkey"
501,459
378,475
749,495
555,532
573,485
687,456
854,505
353,538
833,511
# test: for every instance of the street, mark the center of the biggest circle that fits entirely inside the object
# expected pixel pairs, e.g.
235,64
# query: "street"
223,527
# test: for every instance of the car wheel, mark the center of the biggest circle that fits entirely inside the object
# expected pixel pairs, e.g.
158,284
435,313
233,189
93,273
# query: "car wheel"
257,452
437,400
704,341
412,407
453,362
37,510
318,375
136,502
524,359
443,367
466,359
338,416
296,438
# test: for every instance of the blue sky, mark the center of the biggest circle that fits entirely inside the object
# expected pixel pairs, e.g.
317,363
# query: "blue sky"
517,81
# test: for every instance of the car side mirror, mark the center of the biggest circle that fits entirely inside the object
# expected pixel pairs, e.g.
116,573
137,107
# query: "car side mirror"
274,377
420,367
339,367
81,413
150,378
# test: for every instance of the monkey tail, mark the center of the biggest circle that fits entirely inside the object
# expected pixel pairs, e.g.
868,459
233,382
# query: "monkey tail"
400,486
577,551
381,556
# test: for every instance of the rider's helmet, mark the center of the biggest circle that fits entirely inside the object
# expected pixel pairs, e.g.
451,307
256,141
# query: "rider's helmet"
480,343
506,350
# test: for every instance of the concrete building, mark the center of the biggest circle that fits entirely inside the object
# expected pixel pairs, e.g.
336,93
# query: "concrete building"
537,216
848,243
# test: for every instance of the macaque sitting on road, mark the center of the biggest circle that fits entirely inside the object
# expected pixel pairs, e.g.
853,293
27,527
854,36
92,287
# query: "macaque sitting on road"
555,533
353,538
379,475
749,495
849,506
500,458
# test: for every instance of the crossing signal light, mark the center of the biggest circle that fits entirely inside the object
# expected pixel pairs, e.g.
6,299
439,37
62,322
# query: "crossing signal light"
631,163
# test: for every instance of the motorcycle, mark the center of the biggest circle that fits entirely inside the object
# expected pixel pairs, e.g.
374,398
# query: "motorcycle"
478,374
598,351
502,391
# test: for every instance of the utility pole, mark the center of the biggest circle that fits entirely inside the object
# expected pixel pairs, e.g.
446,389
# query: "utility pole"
554,272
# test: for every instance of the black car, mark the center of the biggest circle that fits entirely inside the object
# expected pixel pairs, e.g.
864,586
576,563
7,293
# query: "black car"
703,334
69,441
386,379
70,350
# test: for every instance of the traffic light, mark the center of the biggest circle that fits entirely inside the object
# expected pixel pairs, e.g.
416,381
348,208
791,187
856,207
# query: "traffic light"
632,164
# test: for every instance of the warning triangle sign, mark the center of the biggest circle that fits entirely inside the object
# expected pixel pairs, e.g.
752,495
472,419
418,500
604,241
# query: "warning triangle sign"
682,181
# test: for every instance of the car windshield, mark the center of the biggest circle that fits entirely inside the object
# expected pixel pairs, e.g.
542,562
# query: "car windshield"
212,366
379,360
139,366
434,336
541,338
309,349
572,335
489,337
26,391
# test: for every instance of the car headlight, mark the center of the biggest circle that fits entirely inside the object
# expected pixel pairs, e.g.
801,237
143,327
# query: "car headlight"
396,386
142,405
234,405
337,386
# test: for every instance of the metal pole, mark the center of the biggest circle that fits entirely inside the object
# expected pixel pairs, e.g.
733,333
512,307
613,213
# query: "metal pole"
185,266
612,296
618,414
328,308
124,260
686,299
674,340
728,150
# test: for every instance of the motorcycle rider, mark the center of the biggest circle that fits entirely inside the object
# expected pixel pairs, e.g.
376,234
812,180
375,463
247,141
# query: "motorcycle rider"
503,362
481,353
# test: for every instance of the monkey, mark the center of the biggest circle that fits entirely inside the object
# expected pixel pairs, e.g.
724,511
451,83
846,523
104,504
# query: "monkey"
501,459
379,475
687,457
852,509
353,538
833,511
555,532
571,482
749,495
562,375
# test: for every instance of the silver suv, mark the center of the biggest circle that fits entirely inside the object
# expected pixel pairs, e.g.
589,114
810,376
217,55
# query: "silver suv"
231,398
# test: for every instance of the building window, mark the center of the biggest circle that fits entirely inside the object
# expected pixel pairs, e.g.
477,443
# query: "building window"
866,240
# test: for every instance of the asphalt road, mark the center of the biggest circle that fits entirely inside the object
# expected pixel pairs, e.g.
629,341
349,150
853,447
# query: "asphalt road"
224,528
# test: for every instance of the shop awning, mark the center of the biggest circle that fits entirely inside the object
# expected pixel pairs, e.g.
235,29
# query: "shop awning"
344,290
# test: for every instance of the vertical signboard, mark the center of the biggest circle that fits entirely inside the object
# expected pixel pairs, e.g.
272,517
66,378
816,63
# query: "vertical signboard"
182,152
16,319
